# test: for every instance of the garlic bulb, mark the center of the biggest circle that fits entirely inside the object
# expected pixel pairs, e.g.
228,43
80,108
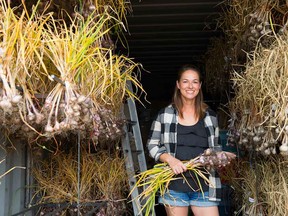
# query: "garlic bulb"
284,147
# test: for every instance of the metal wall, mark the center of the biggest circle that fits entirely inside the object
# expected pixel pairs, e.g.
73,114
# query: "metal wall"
13,184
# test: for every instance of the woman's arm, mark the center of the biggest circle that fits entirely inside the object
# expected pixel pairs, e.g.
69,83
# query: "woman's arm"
158,151
154,143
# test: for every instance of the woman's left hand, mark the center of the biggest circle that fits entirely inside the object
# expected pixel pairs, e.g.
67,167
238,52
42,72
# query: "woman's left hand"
230,156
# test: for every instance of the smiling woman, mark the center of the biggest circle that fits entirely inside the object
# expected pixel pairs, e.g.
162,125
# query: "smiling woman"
182,131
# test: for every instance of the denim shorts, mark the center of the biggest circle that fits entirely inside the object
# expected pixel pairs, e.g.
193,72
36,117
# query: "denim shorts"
175,198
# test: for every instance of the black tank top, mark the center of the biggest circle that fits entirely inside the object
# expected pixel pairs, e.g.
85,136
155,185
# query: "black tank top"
191,142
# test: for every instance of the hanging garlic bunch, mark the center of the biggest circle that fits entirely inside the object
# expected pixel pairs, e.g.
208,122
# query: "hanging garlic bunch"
10,98
283,29
281,128
267,142
20,41
276,131
260,137
252,133
243,132
66,110
284,146
247,137
259,26
88,8
110,126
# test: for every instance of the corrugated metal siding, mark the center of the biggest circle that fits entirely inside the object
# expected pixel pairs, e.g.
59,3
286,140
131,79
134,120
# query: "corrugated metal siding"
13,185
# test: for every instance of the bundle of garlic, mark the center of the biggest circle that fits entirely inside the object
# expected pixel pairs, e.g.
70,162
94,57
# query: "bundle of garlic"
69,50
156,181
20,37
259,138
260,101
109,126
62,109
284,145
9,107
88,8
67,111
91,82
10,97
212,158
250,135
259,26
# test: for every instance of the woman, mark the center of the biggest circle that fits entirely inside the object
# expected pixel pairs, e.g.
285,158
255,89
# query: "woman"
182,131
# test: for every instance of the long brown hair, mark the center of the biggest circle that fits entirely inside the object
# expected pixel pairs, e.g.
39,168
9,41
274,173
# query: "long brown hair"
200,106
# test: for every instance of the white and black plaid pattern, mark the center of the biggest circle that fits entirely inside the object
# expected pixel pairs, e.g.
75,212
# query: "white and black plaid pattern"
163,138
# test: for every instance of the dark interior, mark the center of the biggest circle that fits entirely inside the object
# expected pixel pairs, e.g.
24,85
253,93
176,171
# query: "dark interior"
166,34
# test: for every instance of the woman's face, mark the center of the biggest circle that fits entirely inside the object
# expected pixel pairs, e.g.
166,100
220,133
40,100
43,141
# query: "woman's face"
189,84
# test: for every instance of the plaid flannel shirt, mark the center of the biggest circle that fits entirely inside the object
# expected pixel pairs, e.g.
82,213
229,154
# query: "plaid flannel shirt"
163,139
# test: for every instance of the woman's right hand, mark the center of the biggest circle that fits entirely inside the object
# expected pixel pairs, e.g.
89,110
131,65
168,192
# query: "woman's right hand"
176,165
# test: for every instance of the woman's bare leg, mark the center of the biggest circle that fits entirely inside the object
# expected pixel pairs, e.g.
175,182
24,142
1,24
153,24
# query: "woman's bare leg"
176,210
205,211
